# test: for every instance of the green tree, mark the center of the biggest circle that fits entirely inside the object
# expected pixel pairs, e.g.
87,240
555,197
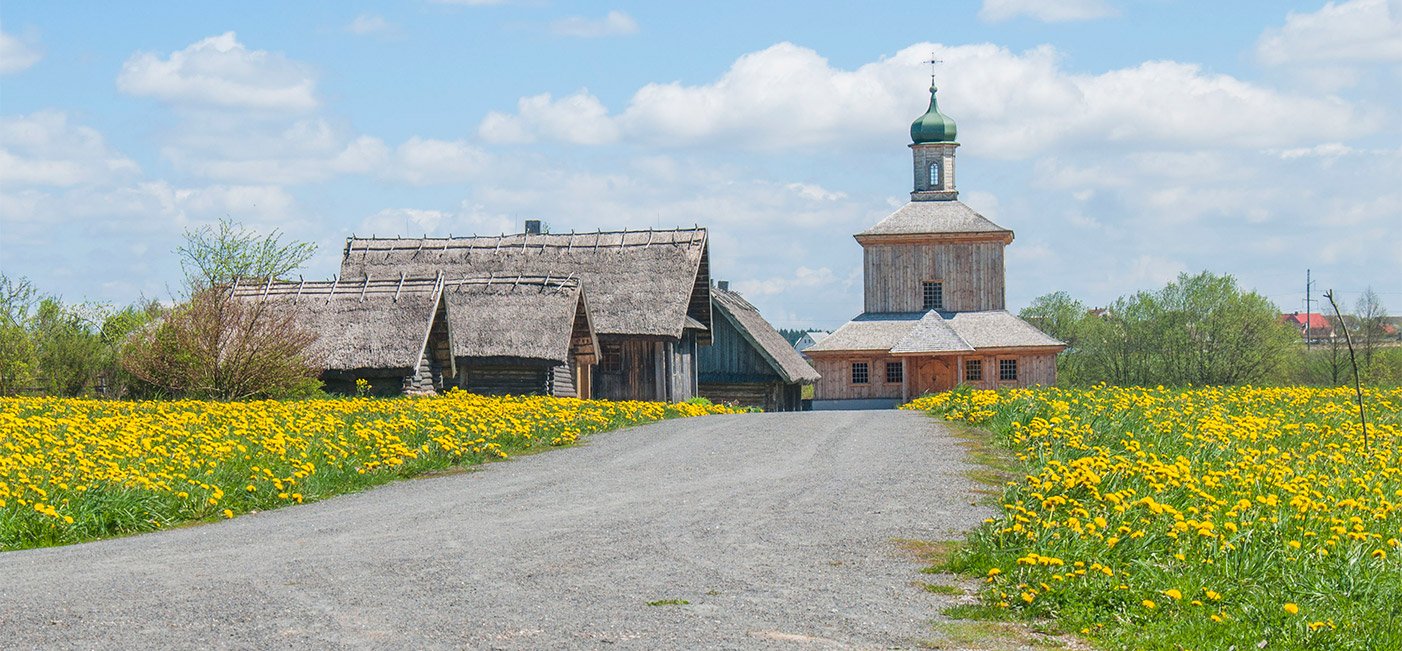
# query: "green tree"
1371,316
222,254
68,348
16,347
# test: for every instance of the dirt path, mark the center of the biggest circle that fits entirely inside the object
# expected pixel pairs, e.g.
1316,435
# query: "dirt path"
778,530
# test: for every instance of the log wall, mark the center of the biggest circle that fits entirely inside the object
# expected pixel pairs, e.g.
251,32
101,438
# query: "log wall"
972,274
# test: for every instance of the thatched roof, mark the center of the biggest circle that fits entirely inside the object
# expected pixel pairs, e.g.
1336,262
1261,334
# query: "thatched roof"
934,332
763,337
532,318
639,282
934,217
364,324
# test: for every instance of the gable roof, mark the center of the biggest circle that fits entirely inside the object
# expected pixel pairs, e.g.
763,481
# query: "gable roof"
934,217
639,282
366,324
935,332
1316,321
521,317
771,345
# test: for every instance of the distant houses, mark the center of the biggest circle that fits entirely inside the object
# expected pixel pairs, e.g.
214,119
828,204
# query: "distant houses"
1312,326
810,339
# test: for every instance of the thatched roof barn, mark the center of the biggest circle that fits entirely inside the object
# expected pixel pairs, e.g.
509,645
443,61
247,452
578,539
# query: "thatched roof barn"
649,292
521,334
372,329
750,363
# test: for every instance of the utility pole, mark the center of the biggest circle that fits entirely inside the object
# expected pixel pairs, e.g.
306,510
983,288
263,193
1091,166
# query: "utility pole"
1308,317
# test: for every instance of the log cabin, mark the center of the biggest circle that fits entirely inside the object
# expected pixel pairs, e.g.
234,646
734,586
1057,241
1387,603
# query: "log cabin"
933,291
748,362
649,293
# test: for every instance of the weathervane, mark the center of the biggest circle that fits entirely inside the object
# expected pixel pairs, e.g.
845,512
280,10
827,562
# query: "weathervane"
932,61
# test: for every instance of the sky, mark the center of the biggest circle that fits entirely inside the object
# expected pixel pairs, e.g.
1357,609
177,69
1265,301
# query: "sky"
1124,141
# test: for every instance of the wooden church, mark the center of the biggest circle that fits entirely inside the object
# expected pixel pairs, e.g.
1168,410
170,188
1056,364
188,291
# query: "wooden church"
934,315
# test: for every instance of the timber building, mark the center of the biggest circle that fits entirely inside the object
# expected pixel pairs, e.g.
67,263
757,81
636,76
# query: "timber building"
649,296
427,334
934,315
748,362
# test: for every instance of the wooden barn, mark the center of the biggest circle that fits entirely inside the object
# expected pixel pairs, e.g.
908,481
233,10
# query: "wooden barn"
748,362
521,335
934,298
390,332
518,335
649,293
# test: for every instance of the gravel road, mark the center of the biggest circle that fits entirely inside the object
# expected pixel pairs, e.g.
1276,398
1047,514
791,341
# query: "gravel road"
778,529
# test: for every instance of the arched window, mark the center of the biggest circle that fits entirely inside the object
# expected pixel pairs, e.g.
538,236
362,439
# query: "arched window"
934,175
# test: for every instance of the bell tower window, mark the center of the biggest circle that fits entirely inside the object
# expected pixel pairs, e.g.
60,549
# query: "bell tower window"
934,175
933,296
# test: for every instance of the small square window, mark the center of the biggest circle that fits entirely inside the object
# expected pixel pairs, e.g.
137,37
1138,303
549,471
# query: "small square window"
612,361
895,372
934,296
860,373
973,370
1007,369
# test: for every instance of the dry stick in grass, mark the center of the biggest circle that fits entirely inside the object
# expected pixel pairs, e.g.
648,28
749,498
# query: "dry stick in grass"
1357,389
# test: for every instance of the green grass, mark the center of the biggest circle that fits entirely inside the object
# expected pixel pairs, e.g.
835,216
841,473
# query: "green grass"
669,602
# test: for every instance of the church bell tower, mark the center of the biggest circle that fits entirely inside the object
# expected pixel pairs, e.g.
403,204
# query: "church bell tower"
932,147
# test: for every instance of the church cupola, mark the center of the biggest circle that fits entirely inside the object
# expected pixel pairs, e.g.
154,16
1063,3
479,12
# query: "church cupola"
932,144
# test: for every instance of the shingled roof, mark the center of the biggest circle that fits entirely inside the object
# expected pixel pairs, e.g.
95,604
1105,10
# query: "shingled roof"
365,324
518,317
639,282
926,217
934,332
766,340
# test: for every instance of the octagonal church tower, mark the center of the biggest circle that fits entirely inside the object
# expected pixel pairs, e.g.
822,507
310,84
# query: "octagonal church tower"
934,308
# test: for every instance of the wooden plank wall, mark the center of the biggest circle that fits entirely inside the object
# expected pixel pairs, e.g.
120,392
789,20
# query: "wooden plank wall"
731,354
836,380
498,380
562,380
972,274
639,378
1032,370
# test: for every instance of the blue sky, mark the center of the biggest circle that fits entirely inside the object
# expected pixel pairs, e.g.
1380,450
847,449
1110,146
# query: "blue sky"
1124,142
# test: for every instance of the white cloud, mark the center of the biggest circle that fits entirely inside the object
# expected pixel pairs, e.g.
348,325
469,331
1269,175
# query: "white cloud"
1359,31
1008,105
372,25
579,119
1059,11
238,150
1327,151
616,23
404,221
16,55
220,72
45,149
815,192
423,161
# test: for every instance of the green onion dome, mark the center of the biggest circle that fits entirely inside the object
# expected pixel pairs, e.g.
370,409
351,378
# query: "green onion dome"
933,126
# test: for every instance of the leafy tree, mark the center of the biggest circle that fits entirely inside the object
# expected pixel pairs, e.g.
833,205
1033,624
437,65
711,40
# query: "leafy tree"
217,255
16,348
68,349
216,345
1371,316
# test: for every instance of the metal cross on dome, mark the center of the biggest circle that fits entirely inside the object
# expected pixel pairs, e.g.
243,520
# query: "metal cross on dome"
932,61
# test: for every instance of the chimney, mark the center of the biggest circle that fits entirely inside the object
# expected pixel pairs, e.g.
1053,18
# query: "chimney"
723,285
533,227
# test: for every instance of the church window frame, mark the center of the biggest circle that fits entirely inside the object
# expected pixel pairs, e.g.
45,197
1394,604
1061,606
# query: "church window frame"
895,372
935,173
932,295
861,373
1007,370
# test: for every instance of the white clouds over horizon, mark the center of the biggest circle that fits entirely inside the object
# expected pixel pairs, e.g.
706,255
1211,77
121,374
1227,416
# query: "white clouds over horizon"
1009,105
219,72
16,55
1357,31
1061,11
614,23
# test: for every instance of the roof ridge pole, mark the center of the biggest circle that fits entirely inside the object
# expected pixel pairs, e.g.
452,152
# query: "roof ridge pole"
302,282
235,288
516,282
491,278
421,247
364,286
649,238
571,246
335,280
499,243
567,280
401,286
598,236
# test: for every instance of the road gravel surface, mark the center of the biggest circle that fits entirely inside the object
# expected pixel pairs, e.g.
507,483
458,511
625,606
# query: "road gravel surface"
776,530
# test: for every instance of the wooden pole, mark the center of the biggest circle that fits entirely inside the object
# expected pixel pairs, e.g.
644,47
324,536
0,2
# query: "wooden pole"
1357,387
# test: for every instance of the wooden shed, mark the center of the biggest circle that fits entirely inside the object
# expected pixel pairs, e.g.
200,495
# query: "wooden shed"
520,335
390,332
649,293
749,363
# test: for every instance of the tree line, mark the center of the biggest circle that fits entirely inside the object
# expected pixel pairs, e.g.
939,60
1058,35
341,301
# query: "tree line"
1204,329
205,345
